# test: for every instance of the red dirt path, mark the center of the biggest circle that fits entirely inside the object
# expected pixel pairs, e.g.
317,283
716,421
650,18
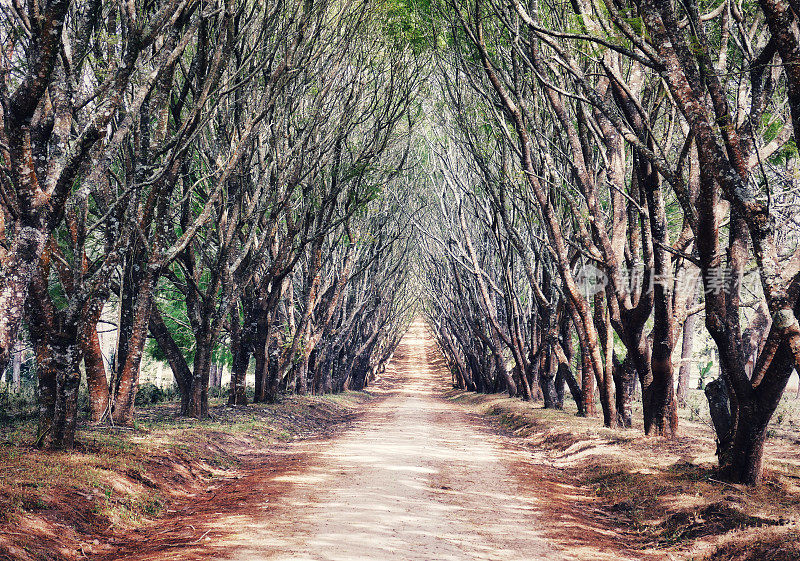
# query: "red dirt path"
415,477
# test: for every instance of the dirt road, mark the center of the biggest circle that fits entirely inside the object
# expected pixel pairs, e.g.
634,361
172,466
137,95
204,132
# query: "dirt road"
416,477
413,479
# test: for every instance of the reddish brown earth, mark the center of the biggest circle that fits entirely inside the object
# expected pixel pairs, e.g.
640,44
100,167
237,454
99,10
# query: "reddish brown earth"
414,477
415,471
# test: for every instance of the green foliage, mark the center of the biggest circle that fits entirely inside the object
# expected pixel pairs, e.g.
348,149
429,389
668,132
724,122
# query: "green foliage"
771,127
17,408
786,153
357,170
149,394
173,311
176,320
704,370
408,23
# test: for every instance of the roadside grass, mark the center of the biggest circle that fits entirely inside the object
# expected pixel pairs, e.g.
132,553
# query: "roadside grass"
665,492
65,505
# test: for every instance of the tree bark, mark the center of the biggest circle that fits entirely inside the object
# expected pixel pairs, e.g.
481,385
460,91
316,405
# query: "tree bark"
687,362
587,386
662,419
175,359
625,382
605,377
547,381
198,392
16,368
41,321
66,361
128,379
241,346
96,381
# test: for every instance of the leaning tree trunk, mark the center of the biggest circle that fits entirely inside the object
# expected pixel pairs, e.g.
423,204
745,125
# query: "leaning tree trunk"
565,372
128,377
175,358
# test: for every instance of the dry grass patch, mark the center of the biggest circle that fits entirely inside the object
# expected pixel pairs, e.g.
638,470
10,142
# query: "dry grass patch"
773,544
70,505
665,492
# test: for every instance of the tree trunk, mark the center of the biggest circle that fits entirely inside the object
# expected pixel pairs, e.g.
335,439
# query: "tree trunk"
128,378
301,376
358,378
744,462
96,381
16,368
261,363
741,425
66,361
16,277
625,382
561,387
687,352
719,406
577,393
175,358
504,375
587,385
663,420
265,319
241,337
198,393
547,378
605,377
130,285
40,314
327,384
215,375
273,366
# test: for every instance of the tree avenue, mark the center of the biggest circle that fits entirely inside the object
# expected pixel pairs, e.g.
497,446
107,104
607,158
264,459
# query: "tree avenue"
651,144
564,191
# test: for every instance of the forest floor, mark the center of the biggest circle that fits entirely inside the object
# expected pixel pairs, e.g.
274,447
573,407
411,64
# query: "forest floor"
412,471
148,489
